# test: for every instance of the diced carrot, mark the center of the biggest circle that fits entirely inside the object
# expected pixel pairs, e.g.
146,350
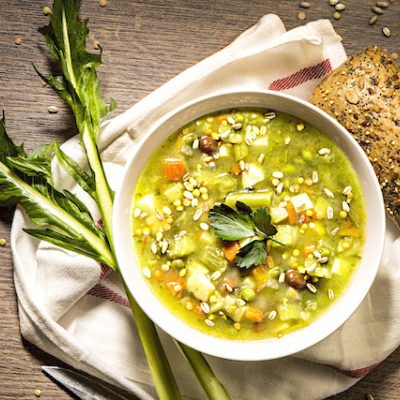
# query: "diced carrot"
144,243
221,118
175,285
199,235
231,249
308,249
198,310
291,213
261,275
254,314
236,169
174,169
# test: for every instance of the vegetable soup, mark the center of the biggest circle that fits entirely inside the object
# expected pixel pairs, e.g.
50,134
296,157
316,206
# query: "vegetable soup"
248,223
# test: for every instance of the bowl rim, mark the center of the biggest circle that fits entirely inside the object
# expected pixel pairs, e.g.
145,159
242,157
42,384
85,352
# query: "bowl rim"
247,350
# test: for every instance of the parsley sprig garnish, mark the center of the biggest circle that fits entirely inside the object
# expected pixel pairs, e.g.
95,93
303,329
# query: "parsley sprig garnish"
235,225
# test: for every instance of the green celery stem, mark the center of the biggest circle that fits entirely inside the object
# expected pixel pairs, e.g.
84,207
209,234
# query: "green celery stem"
211,385
164,381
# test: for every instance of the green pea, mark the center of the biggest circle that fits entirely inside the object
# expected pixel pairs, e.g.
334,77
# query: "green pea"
177,264
325,252
247,294
239,118
189,138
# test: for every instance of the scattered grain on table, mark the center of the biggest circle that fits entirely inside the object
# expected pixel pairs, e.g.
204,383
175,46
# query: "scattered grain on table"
103,3
18,41
333,2
386,31
52,109
377,10
369,397
373,20
394,56
3,242
38,392
96,44
305,4
46,10
301,16
336,15
340,7
382,4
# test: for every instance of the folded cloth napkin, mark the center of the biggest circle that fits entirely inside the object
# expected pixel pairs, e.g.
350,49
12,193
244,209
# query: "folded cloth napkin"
76,311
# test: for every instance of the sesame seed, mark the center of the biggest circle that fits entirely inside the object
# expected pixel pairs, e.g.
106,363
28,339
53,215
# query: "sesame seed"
215,275
279,189
281,278
261,158
209,323
347,190
331,295
154,247
345,206
196,144
315,176
164,247
204,226
329,212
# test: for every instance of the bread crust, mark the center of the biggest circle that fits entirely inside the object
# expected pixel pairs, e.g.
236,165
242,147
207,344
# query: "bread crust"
363,94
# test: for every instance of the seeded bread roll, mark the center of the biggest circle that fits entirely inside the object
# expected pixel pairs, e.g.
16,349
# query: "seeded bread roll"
363,94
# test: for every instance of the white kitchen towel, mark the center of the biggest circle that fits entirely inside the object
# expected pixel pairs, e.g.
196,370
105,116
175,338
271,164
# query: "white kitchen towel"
76,311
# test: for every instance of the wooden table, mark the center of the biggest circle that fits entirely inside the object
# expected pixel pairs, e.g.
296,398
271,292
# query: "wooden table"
146,42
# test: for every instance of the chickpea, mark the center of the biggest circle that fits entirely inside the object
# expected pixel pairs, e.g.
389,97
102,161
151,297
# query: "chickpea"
208,145
295,279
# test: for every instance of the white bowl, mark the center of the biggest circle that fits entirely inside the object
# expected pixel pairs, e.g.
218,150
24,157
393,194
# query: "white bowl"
341,309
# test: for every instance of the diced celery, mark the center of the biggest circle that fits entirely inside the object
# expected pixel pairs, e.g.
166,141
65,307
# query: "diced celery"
252,199
278,214
182,246
274,272
213,258
222,183
200,286
208,239
301,202
287,234
217,303
321,206
195,267
229,303
253,175
174,192
237,315
241,151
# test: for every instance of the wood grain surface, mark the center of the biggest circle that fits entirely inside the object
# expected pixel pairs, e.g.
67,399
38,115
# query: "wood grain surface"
146,42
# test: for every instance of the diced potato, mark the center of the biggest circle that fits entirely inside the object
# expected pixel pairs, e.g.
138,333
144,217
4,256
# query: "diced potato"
182,246
200,286
174,192
278,214
260,141
288,311
301,202
194,267
253,175
287,234
224,151
213,258
147,204
339,266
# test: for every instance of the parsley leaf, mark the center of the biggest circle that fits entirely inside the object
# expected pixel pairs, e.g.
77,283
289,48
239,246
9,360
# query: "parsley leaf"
232,225
254,253
229,224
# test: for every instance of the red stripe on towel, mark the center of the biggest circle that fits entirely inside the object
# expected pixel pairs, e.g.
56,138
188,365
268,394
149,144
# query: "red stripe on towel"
304,75
105,270
105,293
355,373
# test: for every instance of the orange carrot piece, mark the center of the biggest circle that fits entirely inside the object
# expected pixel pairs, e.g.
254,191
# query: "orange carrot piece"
353,231
236,169
254,314
291,213
308,249
221,118
230,250
174,169
158,275
175,285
